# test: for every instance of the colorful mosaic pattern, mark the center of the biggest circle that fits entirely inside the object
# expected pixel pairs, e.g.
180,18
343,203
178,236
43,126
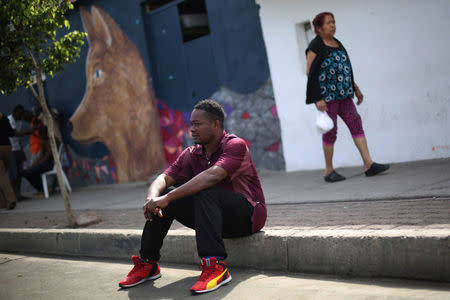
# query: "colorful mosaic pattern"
85,171
174,126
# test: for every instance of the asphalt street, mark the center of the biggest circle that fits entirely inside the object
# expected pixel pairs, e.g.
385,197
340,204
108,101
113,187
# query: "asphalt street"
31,277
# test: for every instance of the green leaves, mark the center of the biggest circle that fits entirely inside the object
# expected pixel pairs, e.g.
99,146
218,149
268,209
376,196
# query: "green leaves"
28,29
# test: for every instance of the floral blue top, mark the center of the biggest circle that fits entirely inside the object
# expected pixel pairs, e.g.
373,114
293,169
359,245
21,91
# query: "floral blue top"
335,76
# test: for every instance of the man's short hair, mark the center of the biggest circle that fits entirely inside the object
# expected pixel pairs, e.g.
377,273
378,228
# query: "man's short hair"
214,109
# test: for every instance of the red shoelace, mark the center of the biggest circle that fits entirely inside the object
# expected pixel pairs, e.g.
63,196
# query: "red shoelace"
206,272
138,265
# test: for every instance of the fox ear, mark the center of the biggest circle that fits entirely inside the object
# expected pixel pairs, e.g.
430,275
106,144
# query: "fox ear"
86,18
102,29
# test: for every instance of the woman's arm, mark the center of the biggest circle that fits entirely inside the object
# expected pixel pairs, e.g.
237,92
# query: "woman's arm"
358,94
310,56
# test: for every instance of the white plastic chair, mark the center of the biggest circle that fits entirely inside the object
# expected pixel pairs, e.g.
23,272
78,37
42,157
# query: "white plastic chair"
53,172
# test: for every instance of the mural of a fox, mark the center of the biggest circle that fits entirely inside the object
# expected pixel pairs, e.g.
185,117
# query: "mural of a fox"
119,107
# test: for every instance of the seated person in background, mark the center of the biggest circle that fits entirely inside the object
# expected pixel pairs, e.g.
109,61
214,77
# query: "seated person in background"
18,155
55,119
43,163
20,113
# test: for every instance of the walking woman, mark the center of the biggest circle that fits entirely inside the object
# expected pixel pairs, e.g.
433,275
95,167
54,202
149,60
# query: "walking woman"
331,87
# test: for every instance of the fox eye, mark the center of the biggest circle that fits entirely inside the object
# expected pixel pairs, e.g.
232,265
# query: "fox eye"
97,73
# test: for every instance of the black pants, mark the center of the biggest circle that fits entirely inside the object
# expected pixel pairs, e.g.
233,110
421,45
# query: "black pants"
213,213
33,174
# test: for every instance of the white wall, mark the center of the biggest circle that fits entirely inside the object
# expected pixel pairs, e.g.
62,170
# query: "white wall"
400,53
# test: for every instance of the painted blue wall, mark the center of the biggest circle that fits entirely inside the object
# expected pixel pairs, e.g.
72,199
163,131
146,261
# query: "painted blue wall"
238,47
238,44
65,91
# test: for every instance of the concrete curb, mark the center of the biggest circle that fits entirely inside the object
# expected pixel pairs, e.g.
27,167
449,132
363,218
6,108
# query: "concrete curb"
404,253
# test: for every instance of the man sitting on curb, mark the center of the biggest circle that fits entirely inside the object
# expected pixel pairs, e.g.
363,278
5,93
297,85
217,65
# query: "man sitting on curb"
217,193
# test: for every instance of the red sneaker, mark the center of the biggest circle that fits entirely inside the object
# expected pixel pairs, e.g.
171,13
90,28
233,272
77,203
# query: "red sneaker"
141,272
214,274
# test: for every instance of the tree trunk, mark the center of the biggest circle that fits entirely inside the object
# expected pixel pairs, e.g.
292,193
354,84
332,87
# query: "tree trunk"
51,134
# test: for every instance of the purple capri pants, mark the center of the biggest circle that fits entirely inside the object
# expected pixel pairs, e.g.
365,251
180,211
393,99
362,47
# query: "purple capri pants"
346,109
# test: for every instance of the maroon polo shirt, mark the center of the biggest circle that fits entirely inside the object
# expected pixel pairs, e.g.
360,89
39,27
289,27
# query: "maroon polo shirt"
231,154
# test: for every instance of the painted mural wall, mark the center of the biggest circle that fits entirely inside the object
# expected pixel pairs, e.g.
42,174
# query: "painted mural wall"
118,108
399,54
114,127
254,117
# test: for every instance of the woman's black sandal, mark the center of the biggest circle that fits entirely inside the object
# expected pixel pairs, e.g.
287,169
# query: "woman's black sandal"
334,177
376,169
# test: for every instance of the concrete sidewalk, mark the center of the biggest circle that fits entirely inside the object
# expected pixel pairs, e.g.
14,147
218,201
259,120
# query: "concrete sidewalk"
396,224
423,179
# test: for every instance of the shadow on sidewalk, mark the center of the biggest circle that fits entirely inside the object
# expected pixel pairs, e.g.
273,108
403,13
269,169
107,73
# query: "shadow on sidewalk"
248,284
